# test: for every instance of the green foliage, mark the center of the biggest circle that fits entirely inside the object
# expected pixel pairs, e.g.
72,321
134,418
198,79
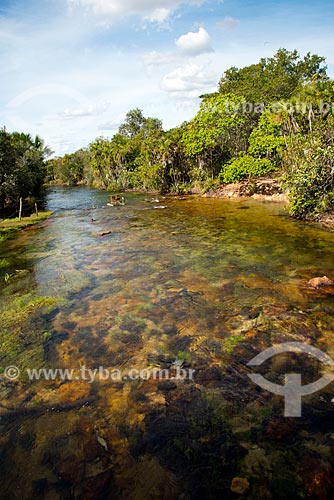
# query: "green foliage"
266,140
231,342
101,162
135,123
184,357
71,169
147,176
22,167
245,166
275,78
140,156
129,159
309,170
218,132
313,102
263,156
215,116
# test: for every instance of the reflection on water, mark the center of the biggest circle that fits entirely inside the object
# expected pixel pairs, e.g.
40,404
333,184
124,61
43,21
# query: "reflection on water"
202,283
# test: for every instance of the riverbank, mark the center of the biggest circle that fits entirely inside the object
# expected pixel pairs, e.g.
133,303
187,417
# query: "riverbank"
9,227
262,188
325,220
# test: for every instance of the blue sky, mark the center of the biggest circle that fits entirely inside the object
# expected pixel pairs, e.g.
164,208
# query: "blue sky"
71,69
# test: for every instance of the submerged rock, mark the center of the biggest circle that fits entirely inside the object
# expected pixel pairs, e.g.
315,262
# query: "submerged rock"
322,285
167,385
239,485
324,281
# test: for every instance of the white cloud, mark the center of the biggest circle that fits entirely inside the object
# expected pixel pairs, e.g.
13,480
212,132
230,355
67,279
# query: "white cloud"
189,45
228,23
159,15
159,58
152,10
189,81
91,110
195,43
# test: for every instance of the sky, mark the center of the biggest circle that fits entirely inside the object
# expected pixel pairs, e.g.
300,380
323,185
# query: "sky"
70,70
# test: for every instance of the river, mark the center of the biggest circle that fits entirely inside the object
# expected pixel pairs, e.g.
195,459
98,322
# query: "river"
175,283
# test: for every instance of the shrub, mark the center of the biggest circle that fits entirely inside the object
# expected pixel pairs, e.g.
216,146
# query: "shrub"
309,179
245,166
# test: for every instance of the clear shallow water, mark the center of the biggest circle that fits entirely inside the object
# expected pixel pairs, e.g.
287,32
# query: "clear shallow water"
207,282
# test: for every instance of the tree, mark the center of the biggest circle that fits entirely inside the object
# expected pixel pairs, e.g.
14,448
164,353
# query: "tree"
101,154
266,140
124,160
308,162
264,152
275,78
22,167
134,120
71,169
218,132
161,164
7,164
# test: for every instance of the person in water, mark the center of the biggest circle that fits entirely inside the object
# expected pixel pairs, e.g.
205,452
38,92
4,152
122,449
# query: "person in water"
116,199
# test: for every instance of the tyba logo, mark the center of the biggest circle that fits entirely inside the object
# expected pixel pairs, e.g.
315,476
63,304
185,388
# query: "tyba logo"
292,390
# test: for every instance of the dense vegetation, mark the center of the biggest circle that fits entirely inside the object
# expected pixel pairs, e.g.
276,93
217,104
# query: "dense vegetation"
22,169
274,117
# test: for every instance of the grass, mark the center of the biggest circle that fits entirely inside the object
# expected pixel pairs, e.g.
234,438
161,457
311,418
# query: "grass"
9,227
